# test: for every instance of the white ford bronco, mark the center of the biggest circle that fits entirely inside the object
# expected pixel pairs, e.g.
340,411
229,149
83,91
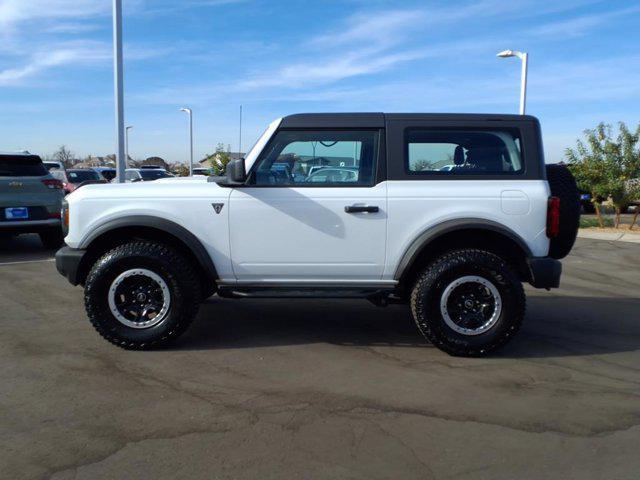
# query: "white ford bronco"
447,213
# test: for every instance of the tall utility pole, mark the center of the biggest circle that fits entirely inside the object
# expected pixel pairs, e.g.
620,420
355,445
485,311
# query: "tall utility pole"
190,113
119,94
240,140
524,57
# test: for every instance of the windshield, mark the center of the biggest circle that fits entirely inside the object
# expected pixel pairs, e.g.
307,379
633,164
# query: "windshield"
21,166
152,174
79,176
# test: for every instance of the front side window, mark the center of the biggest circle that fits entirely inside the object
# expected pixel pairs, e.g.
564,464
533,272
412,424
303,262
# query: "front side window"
462,152
318,158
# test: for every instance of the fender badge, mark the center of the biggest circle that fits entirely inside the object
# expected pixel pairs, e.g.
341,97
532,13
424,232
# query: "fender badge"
217,207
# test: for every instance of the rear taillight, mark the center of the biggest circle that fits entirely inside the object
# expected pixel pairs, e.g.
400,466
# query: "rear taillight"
52,183
65,215
53,215
553,217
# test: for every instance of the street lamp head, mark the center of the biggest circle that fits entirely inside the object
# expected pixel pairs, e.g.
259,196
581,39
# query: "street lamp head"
186,110
129,127
511,53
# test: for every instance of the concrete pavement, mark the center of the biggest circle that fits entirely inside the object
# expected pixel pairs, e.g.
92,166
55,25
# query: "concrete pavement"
332,389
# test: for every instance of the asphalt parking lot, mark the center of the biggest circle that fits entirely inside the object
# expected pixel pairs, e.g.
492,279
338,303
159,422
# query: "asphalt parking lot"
334,389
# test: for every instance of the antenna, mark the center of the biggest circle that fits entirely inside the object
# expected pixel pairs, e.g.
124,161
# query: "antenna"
240,139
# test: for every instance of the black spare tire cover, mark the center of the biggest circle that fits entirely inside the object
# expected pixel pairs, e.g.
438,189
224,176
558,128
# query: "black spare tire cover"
563,186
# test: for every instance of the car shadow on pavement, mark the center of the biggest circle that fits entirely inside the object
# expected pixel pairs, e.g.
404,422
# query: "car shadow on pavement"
23,248
555,326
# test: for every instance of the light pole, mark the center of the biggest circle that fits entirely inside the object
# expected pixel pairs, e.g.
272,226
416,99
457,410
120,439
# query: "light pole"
126,143
524,57
190,113
118,82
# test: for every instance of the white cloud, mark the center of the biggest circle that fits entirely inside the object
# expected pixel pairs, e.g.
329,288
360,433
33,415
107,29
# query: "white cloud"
580,25
16,11
384,27
82,52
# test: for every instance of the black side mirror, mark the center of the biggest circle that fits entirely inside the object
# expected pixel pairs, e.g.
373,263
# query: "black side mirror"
236,172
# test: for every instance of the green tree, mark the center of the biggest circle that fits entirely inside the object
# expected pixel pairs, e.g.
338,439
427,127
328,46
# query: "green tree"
219,160
180,169
604,164
588,165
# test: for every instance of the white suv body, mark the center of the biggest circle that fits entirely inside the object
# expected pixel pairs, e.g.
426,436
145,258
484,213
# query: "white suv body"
264,231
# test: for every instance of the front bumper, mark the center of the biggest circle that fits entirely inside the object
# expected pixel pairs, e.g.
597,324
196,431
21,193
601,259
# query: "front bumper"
68,262
544,272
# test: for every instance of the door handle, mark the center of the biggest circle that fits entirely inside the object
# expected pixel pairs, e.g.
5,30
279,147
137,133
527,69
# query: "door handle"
361,209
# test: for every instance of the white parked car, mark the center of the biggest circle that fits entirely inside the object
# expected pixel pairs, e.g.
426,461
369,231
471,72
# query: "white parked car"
456,245
144,174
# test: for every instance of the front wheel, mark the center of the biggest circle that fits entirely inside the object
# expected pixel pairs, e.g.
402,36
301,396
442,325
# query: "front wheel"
142,294
468,303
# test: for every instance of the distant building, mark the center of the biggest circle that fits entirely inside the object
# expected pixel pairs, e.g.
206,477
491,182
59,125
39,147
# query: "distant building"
91,162
156,161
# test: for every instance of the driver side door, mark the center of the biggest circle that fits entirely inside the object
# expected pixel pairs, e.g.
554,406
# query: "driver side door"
313,210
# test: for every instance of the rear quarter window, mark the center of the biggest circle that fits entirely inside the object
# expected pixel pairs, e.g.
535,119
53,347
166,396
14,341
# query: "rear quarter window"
21,166
469,152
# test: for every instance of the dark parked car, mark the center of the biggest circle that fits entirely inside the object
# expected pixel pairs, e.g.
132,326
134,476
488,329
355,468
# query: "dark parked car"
30,198
587,204
107,173
75,178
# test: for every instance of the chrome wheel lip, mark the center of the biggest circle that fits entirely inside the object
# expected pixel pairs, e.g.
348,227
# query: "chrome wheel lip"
490,323
166,296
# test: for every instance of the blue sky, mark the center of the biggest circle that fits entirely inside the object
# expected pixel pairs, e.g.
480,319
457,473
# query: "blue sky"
281,57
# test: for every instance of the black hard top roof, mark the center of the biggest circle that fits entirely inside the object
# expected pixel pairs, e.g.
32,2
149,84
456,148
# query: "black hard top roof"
377,119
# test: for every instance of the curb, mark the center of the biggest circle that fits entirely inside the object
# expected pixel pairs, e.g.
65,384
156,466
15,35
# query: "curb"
609,236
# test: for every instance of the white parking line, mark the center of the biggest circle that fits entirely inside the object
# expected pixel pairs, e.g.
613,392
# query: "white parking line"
2,264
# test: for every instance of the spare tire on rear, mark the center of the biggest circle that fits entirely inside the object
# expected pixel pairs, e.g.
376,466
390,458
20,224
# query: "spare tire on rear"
563,186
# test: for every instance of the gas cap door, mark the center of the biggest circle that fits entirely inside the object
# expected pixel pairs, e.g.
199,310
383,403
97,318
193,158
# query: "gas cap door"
514,202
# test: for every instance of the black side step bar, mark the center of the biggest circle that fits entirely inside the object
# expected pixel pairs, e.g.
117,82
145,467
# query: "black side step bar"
378,296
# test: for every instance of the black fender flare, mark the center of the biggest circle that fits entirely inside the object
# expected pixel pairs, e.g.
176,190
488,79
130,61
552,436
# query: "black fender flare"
185,236
432,233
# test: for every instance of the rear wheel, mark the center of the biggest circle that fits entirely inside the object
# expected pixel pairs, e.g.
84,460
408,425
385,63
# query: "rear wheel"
142,294
468,303
52,238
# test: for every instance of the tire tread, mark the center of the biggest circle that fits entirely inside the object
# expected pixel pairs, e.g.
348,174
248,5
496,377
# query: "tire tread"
189,285
428,278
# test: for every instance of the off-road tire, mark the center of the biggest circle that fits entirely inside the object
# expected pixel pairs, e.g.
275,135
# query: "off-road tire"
52,238
563,186
430,284
177,272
